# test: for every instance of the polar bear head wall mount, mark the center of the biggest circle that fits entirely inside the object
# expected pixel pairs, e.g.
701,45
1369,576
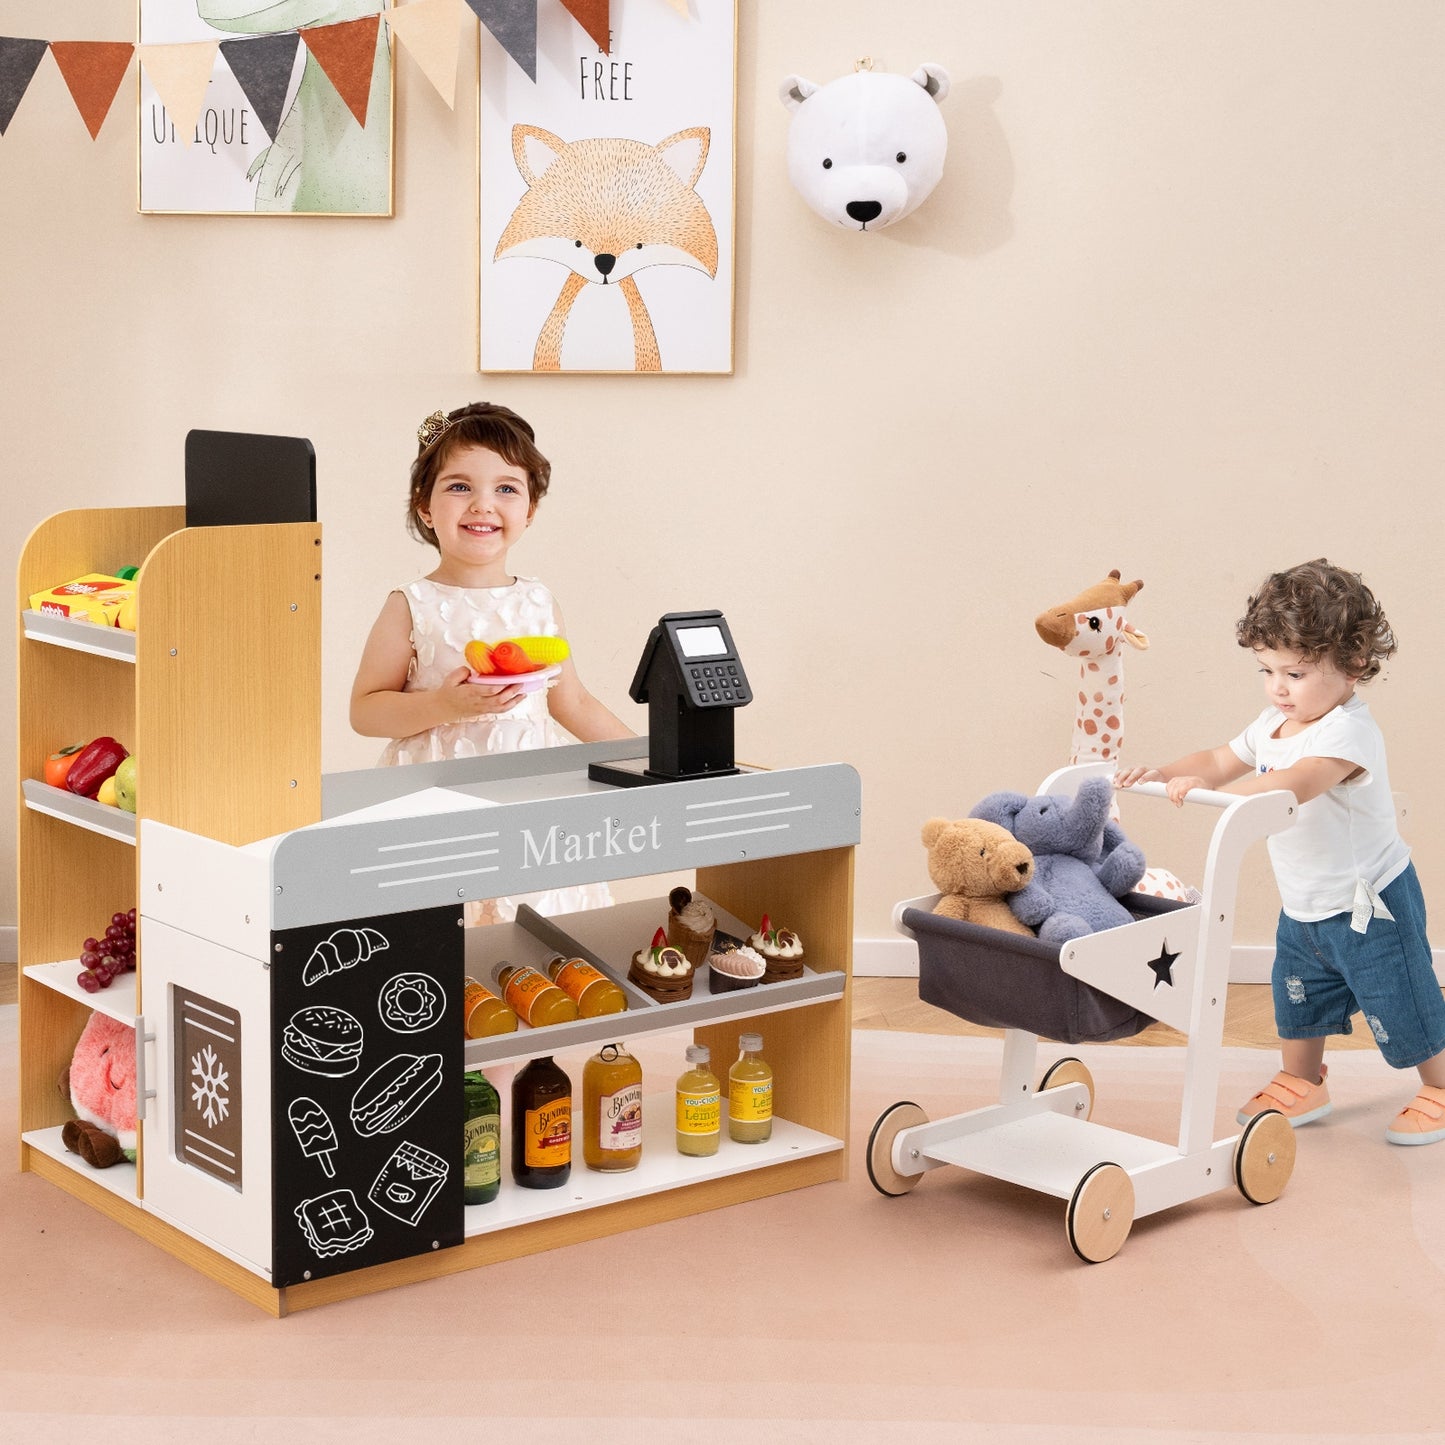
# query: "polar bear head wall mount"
867,149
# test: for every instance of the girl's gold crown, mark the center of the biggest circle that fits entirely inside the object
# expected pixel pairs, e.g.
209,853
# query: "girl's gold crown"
435,426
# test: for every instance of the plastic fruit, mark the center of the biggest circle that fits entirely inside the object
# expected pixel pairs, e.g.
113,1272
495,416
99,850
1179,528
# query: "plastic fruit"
479,658
106,792
544,651
124,782
125,614
57,765
508,657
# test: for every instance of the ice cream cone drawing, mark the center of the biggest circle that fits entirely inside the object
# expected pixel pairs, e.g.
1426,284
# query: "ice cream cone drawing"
314,1131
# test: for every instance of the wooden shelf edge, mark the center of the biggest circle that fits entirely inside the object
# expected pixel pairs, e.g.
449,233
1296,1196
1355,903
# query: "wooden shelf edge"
85,813
91,637
119,1000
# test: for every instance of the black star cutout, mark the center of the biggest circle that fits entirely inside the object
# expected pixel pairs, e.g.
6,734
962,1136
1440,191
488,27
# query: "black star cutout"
1163,966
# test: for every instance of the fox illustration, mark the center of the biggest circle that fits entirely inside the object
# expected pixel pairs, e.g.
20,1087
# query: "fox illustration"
605,208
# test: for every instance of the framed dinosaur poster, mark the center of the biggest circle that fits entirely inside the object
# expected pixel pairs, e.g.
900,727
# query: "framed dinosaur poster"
241,115
607,193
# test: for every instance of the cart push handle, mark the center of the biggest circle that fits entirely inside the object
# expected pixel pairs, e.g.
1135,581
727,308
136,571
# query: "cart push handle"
1209,797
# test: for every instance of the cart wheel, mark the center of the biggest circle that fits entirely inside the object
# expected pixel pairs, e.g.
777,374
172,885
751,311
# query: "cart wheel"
1101,1213
891,1123
1069,1071
1264,1157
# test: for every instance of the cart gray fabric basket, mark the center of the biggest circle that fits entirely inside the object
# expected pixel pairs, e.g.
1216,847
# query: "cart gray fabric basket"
1008,981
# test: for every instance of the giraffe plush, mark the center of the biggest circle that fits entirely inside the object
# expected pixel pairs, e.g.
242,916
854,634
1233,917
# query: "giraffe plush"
1093,628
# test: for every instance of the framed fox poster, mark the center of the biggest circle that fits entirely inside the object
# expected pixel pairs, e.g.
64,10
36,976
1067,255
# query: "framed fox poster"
607,193
250,107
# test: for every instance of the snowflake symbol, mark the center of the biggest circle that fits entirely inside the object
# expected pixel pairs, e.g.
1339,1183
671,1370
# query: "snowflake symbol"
209,1094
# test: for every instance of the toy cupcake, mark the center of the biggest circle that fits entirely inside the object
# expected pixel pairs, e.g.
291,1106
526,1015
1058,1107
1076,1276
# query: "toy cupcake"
781,949
662,972
691,924
732,966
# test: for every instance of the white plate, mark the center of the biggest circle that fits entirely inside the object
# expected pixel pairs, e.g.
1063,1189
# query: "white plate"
527,681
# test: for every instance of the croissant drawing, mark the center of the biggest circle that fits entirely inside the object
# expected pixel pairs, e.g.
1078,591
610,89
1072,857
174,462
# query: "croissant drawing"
343,949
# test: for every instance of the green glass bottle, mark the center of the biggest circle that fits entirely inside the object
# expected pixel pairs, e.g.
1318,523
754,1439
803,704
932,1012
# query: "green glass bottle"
481,1141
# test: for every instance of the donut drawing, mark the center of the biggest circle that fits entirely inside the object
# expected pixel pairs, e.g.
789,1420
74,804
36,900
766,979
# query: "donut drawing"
411,1002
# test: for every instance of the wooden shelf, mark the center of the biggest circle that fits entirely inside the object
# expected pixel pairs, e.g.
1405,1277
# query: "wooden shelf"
662,1168
119,1179
119,1000
83,812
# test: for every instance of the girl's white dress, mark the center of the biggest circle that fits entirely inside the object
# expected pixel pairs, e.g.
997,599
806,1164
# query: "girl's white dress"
443,620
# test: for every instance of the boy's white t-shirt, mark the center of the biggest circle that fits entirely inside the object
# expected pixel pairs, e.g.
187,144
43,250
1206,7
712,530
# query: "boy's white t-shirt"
1344,847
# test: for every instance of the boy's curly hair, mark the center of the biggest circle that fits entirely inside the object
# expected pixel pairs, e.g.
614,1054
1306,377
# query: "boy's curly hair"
1320,611
479,424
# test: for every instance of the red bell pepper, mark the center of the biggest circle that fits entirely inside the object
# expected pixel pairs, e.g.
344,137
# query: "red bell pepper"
93,764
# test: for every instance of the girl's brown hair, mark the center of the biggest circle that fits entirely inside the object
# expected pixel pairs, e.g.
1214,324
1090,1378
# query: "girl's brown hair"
1320,611
479,424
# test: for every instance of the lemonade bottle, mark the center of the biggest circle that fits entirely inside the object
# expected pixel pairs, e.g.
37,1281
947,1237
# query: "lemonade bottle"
537,1000
481,1140
484,1012
612,1110
699,1105
750,1094
589,988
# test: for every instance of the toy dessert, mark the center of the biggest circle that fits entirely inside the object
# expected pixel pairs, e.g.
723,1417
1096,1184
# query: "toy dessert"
691,924
782,951
662,972
732,966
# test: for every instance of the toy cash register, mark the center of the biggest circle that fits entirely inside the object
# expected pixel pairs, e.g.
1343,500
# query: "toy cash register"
692,680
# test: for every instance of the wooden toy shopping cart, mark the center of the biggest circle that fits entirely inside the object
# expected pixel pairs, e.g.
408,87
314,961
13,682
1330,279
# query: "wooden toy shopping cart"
1170,964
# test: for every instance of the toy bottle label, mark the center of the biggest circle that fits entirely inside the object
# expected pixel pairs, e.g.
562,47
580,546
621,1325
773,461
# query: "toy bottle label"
576,975
619,1118
522,989
482,1151
699,1113
548,1139
750,1101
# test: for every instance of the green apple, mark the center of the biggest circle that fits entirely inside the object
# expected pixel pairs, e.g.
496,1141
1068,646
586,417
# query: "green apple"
125,784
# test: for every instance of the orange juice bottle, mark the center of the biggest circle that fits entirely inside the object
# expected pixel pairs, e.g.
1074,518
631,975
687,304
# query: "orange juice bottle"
484,1012
537,1000
612,1110
589,988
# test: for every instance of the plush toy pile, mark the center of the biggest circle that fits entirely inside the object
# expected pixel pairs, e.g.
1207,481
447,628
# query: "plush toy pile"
975,866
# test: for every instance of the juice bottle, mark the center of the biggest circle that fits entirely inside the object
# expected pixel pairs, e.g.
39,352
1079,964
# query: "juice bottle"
750,1094
589,988
537,1000
612,1110
481,1140
541,1126
484,1012
699,1105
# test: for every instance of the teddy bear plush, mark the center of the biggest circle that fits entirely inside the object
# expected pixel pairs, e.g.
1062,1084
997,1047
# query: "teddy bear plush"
867,149
101,1085
975,865
1083,863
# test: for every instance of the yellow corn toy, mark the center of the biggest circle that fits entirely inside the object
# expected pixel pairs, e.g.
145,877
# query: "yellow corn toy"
544,651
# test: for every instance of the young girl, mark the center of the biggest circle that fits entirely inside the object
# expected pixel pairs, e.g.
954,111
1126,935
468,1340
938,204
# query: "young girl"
475,486
1352,932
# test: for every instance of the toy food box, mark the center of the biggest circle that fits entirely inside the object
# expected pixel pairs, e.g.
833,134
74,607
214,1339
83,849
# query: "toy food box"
96,597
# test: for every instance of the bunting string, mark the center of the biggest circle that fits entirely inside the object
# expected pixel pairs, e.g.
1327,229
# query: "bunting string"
429,30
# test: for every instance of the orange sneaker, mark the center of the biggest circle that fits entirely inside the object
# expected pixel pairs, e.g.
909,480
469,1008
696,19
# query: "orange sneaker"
1421,1121
1297,1099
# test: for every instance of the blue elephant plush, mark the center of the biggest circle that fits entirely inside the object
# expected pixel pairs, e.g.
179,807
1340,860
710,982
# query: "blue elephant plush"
1083,863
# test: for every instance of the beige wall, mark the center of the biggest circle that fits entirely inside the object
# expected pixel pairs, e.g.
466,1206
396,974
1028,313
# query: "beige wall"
1175,308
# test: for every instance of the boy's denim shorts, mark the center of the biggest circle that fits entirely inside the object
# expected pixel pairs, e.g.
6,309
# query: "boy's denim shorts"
1324,972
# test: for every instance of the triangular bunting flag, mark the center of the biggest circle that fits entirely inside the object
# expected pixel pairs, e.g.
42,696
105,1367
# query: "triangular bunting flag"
593,17
432,37
514,24
18,59
181,75
93,71
347,52
262,68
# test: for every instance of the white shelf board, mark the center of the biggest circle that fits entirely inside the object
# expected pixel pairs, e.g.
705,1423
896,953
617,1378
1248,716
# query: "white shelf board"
118,1000
662,1168
83,812
119,1179
607,937
93,637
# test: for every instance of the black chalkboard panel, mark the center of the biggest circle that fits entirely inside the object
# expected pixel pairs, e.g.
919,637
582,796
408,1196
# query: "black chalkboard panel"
237,479
366,1092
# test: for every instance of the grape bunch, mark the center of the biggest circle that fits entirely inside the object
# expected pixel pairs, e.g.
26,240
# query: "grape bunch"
105,959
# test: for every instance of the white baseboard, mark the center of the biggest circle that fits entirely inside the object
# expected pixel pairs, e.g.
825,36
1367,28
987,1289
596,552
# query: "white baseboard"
898,958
